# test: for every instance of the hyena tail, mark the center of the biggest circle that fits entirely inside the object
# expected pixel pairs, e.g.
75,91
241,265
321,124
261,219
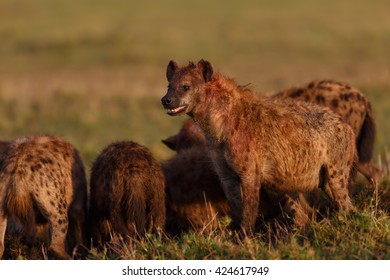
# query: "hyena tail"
19,203
366,137
135,208
157,210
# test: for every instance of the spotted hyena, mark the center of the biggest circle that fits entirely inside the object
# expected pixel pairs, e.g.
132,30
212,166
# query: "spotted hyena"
43,179
256,141
194,195
342,98
127,195
353,107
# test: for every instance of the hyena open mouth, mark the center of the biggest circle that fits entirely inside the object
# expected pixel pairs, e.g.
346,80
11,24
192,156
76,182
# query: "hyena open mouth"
177,110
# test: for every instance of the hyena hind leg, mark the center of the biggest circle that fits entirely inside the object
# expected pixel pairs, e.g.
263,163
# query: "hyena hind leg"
56,214
372,173
299,208
58,238
336,188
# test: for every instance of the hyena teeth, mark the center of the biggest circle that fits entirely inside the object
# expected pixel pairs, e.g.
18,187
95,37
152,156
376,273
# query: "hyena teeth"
176,109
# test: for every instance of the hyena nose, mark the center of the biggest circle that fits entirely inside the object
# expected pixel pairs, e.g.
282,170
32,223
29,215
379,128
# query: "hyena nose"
166,101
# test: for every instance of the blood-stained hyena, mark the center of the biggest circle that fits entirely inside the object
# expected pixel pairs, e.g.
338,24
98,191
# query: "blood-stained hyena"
191,178
343,99
43,178
127,194
195,197
353,106
256,141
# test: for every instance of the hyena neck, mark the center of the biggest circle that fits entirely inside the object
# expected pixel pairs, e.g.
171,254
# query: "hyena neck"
217,105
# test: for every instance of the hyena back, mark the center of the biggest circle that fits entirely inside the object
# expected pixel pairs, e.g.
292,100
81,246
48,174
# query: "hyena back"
127,193
355,109
43,176
293,147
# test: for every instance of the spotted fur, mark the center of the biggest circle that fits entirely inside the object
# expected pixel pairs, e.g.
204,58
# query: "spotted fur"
355,109
127,193
42,177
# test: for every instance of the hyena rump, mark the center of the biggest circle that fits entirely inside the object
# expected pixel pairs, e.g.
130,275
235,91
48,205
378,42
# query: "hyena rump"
355,109
127,195
292,147
42,177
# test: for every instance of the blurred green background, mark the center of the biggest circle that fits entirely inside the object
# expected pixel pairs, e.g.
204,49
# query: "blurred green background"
94,71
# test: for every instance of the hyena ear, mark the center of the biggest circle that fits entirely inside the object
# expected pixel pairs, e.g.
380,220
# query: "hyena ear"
171,69
207,70
170,142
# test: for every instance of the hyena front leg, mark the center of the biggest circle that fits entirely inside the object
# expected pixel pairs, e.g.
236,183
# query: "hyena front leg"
250,190
3,227
231,187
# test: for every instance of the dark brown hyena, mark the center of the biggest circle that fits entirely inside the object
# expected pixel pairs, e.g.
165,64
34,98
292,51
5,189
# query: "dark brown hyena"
353,107
127,194
190,135
194,195
43,179
290,146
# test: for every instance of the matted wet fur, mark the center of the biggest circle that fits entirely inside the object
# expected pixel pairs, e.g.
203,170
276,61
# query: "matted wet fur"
353,107
291,147
43,182
195,198
127,195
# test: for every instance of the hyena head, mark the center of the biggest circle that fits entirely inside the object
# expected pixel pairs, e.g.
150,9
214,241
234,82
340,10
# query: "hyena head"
184,84
190,135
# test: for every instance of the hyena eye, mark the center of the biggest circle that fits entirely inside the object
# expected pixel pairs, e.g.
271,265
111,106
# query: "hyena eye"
185,87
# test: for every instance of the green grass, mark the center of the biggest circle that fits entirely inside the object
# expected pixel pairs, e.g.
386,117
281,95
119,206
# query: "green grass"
363,234
94,72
